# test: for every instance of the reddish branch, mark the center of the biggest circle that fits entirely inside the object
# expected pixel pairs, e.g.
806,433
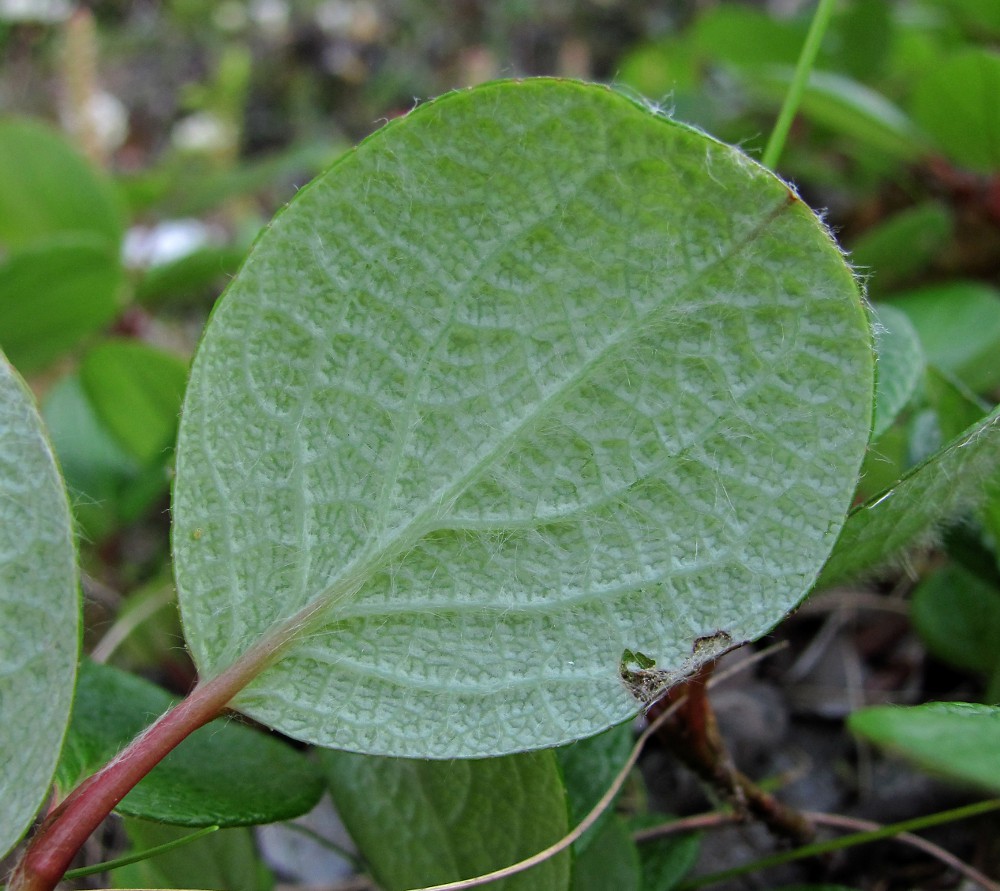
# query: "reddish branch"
692,734
64,831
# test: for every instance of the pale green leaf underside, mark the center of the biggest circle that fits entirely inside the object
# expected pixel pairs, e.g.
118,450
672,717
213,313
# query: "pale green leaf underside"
954,478
38,610
531,376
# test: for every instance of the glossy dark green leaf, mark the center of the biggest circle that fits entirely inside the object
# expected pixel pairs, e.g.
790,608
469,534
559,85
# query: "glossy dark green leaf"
958,104
222,775
666,860
589,766
39,609
136,391
226,860
959,326
53,295
609,861
420,823
47,188
957,614
957,740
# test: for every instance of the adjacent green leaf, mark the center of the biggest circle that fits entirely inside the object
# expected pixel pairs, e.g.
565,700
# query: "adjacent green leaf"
609,861
136,390
959,326
660,69
851,109
223,861
54,294
531,377
589,766
100,475
93,462
900,365
185,186
958,103
665,861
955,739
39,610
746,37
917,47
420,823
858,39
979,19
47,188
957,477
902,246
222,775
885,463
955,405
146,629
754,39
958,616
189,278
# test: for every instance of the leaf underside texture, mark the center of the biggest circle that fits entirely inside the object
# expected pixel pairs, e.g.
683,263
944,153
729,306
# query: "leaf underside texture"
531,376
39,610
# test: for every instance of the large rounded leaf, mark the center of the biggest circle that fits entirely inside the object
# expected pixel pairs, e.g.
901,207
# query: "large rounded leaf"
532,377
39,610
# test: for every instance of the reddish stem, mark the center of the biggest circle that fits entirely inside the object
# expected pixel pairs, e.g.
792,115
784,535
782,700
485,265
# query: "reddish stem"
693,736
64,831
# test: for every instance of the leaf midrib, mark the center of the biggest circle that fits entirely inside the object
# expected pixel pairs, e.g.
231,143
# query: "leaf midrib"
355,574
